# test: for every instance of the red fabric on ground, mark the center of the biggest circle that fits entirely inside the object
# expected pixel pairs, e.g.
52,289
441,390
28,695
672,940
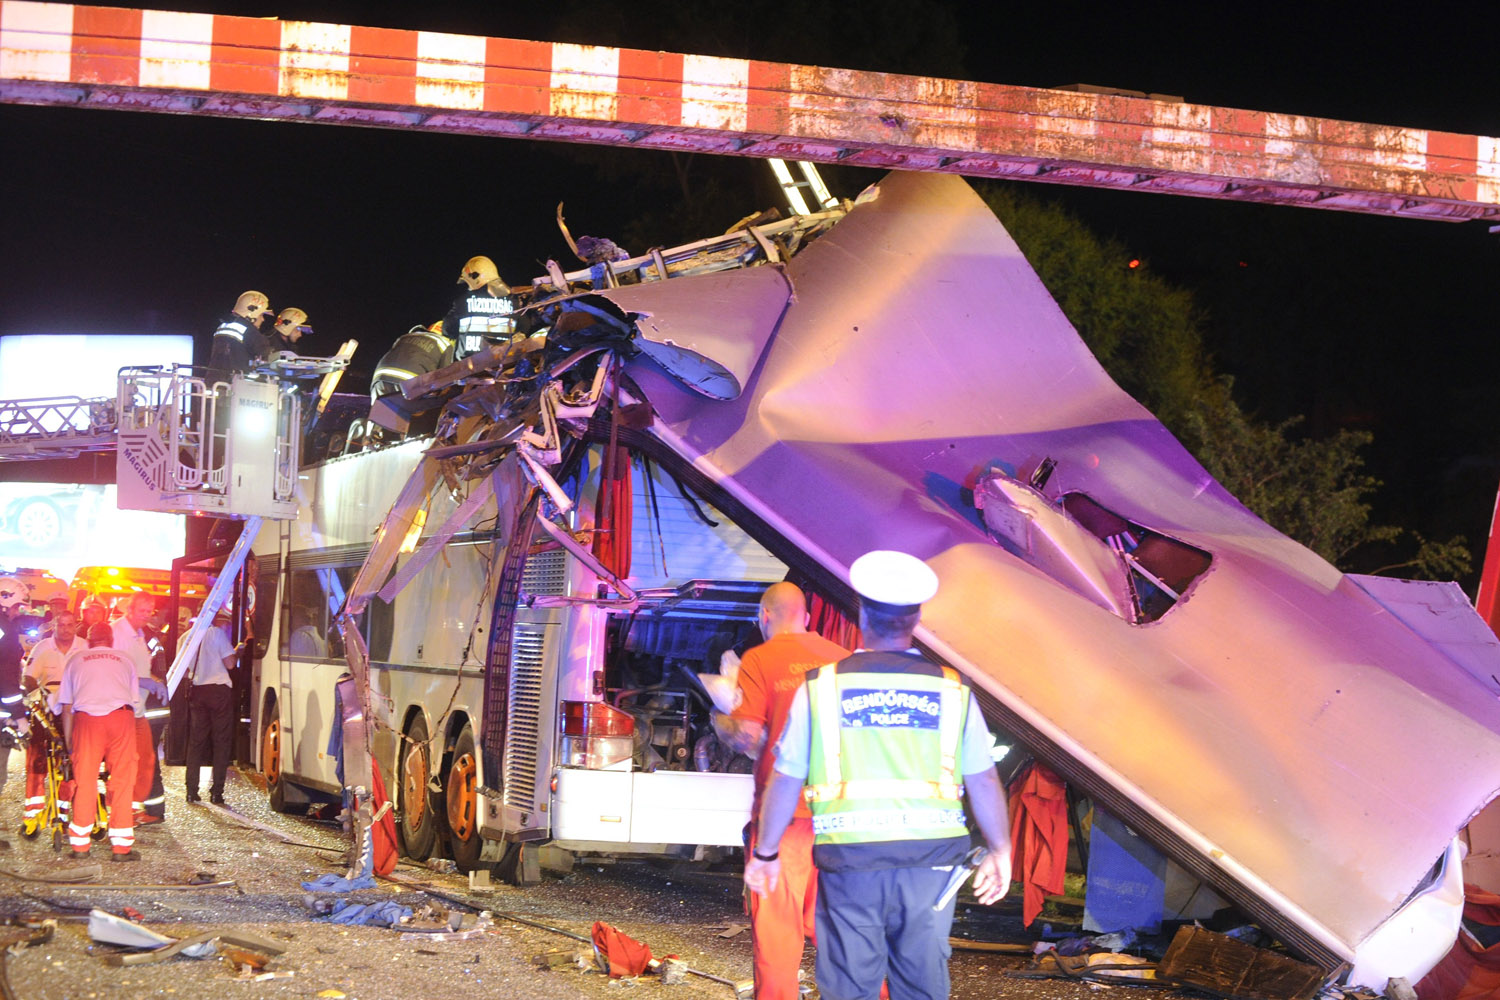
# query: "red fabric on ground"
1469,971
383,836
1038,835
627,956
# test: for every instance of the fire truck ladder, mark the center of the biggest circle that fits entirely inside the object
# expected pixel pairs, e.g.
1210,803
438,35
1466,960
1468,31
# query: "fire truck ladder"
56,427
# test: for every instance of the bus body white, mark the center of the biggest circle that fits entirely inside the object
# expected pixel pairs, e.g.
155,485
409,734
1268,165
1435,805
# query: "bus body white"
428,649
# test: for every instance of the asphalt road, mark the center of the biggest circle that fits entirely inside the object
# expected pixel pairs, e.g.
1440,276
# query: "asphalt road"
672,909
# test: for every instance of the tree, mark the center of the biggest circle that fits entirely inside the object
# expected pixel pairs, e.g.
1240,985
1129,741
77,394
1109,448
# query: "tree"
1148,336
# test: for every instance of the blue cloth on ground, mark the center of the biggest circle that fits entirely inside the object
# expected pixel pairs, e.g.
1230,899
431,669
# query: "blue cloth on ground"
337,883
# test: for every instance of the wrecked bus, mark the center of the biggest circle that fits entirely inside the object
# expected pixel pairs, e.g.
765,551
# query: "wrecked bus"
1306,742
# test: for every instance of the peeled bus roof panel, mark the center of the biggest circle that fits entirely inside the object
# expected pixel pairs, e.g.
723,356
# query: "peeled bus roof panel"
1278,732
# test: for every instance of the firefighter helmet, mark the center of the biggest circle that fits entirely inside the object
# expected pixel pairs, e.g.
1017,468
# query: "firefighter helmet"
292,324
13,594
478,272
253,306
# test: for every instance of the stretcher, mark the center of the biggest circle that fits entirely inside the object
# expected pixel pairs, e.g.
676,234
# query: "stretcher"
59,786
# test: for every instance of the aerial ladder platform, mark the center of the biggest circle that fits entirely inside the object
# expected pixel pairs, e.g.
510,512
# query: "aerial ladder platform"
189,441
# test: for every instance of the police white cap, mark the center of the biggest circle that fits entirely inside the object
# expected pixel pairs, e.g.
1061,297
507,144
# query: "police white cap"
894,578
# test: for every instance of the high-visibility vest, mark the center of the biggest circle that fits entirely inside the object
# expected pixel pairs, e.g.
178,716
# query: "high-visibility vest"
886,729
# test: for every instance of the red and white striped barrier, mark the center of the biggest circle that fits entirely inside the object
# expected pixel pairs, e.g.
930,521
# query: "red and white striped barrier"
338,73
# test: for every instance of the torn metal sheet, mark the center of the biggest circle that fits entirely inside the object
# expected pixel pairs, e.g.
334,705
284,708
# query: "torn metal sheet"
708,330
1309,758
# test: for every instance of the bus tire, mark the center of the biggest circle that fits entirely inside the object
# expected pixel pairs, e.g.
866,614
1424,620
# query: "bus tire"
270,758
461,798
417,819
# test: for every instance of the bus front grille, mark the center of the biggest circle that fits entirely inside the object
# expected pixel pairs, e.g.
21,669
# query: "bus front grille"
524,716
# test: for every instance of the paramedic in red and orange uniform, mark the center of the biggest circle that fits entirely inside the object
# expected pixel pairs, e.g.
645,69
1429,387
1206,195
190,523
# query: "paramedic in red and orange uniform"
44,670
97,699
770,675
129,637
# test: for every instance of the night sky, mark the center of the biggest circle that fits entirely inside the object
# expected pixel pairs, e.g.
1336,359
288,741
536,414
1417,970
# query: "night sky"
131,223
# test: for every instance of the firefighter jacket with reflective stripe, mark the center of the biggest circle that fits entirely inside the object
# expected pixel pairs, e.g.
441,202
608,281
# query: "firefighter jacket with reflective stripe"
237,342
478,318
886,729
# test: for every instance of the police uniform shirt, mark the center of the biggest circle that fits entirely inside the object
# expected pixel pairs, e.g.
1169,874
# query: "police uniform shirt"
794,748
237,342
209,667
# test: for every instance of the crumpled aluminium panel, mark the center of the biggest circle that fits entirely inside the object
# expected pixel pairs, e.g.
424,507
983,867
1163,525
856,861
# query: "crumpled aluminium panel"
1276,730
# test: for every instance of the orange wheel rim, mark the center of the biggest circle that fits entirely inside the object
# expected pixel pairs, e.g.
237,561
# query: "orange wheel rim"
414,787
461,797
270,752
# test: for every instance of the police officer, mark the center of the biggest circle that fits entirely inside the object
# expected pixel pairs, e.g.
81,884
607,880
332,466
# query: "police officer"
887,744
238,340
482,313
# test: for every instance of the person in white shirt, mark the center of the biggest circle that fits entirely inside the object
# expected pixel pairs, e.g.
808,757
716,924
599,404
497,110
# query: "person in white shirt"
211,710
97,699
44,670
130,638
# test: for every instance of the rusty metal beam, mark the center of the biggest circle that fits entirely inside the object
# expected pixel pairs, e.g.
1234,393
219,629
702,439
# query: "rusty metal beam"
208,64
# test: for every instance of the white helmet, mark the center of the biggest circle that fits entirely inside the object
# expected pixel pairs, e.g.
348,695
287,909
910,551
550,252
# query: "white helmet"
13,594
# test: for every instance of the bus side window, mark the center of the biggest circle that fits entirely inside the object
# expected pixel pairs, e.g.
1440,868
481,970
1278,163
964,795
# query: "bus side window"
305,626
265,603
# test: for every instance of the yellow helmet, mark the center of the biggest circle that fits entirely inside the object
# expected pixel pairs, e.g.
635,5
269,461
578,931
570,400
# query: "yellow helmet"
253,306
291,324
478,272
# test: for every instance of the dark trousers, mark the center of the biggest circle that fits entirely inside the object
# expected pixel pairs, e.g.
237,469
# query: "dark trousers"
210,734
880,925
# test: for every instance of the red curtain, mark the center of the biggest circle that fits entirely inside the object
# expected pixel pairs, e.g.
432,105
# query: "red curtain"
829,622
612,537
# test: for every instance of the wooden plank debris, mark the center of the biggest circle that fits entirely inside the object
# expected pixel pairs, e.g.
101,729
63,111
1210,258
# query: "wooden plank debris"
1231,968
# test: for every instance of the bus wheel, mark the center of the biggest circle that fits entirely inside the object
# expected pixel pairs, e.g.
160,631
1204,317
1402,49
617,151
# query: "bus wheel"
461,794
418,821
270,758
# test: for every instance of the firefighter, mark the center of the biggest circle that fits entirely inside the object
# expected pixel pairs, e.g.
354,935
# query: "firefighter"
290,327
237,339
97,699
482,313
888,744
769,677
14,623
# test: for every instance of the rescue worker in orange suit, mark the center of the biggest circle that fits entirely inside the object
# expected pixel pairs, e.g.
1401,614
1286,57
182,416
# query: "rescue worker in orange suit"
888,744
97,699
237,339
769,677
44,670
129,637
